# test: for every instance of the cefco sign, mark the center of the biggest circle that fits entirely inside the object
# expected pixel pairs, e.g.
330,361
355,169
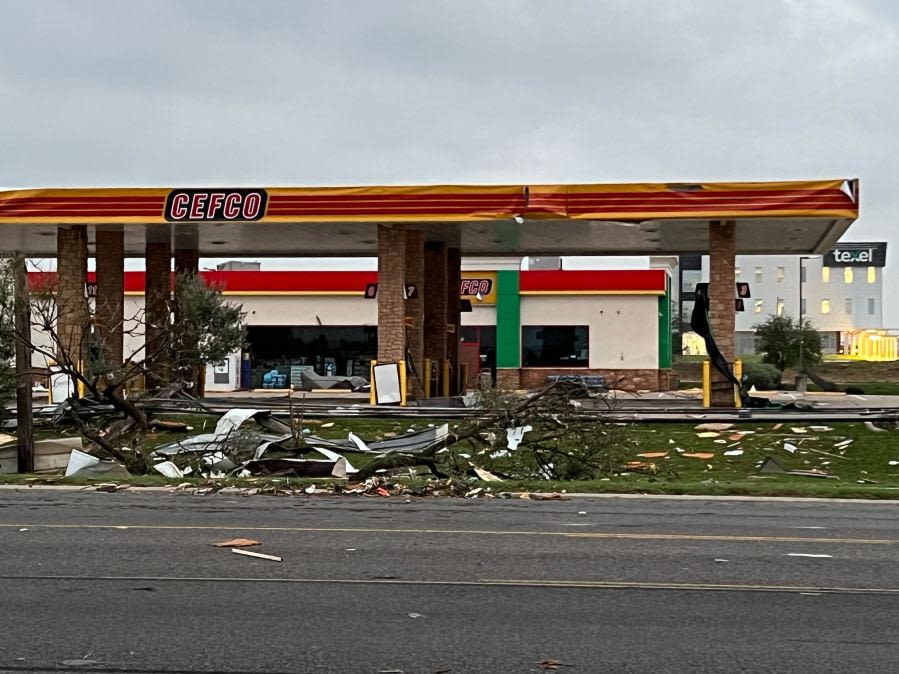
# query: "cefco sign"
479,286
203,205
857,255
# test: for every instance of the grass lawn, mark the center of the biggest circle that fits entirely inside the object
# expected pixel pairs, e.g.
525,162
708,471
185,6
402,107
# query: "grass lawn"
862,465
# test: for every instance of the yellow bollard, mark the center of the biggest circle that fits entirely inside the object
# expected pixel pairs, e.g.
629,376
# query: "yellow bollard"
402,366
444,378
426,384
706,384
372,397
738,373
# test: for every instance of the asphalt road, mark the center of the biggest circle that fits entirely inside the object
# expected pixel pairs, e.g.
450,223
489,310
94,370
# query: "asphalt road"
130,582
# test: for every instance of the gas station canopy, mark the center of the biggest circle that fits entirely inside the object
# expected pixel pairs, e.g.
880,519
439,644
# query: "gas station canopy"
611,219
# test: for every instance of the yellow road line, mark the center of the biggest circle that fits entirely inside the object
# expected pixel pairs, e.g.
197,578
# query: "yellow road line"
648,536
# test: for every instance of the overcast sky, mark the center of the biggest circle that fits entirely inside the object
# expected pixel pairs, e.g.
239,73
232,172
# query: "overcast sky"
329,92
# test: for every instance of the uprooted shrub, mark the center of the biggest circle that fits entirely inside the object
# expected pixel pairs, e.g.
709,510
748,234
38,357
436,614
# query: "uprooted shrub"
763,376
555,434
558,438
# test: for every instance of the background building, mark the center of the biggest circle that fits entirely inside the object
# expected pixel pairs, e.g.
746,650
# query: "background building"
840,293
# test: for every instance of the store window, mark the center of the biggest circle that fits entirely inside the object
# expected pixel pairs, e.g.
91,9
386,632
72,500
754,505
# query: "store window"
758,274
283,352
555,346
737,272
780,307
825,274
781,273
848,275
758,307
847,305
803,306
872,306
825,306
872,274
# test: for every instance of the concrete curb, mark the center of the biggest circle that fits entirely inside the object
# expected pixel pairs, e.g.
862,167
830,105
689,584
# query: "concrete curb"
169,490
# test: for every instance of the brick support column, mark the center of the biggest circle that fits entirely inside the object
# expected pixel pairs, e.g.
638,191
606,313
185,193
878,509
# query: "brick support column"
722,253
71,304
453,317
110,307
391,306
415,275
187,260
157,297
435,301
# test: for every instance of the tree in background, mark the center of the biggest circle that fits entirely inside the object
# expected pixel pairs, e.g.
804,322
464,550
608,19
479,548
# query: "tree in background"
785,343
7,334
207,328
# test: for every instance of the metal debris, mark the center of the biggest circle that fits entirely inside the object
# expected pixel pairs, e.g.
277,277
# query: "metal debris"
237,543
257,555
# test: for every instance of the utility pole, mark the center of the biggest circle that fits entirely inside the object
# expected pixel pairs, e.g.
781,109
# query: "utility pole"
25,438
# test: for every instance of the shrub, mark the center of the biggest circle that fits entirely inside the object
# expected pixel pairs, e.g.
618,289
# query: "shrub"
761,375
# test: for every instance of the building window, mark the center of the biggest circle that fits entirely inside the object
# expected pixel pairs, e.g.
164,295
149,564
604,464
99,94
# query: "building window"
555,346
758,274
847,305
803,306
872,274
872,306
689,279
825,274
781,272
825,306
848,276
737,272
758,307
802,274
780,307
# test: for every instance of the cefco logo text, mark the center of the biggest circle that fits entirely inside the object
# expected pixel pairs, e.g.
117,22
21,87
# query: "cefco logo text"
201,205
476,286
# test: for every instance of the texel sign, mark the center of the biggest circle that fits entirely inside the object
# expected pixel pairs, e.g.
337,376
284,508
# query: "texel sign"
857,255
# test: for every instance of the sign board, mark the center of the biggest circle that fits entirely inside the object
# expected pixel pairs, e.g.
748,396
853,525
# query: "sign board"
742,290
387,384
475,288
478,286
739,305
90,289
204,205
857,255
